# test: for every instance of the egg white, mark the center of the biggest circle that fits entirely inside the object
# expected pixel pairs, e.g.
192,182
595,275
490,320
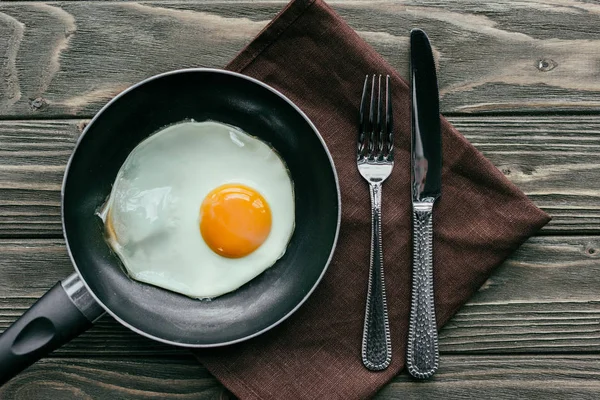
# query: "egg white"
154,207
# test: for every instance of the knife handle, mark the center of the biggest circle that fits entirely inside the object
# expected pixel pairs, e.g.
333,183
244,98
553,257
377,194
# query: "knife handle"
376,344
423,355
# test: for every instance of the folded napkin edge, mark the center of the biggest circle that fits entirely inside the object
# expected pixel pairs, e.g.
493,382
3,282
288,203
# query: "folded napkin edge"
269,34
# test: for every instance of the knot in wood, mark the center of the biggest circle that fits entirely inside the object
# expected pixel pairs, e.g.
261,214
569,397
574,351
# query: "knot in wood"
37,103
546,64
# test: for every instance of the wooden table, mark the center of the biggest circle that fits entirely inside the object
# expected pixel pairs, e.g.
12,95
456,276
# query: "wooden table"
521,81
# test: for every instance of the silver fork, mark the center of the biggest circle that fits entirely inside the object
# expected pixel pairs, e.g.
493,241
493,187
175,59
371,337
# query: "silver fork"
375,160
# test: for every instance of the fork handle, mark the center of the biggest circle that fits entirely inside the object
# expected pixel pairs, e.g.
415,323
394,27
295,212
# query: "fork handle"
423,353
376,344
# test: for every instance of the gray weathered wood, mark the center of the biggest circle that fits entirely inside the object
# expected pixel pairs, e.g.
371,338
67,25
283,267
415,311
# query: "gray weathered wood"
33,156
68,58
134,378
459,377
503,378
544,299
552,159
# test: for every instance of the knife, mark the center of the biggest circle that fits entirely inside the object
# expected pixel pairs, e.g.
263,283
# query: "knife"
426,155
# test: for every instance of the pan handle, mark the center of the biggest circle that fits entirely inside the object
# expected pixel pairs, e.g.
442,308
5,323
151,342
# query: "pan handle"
64,312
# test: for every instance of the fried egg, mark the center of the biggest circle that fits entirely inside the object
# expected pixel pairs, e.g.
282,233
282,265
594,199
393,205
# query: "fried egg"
200,208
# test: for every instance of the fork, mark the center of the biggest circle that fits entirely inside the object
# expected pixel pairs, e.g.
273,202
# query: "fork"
375,160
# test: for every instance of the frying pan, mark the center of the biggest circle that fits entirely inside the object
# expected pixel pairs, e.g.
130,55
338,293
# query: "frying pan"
100,285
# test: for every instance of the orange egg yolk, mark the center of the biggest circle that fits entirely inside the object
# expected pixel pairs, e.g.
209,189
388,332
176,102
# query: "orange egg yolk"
234,220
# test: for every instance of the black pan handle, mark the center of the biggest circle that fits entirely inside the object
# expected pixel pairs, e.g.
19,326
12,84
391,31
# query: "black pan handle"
64,312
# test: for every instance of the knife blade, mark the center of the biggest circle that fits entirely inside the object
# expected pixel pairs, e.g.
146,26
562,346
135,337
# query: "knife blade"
426,170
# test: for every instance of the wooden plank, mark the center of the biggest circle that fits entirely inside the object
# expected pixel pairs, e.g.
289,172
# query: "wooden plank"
544,299
459,377
503,378
132,378
69,58
552,159
33,156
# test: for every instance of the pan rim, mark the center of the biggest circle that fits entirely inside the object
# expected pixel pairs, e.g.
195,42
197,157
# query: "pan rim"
333,246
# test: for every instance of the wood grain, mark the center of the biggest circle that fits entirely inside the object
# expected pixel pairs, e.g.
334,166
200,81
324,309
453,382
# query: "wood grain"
503,378
544,299
552,159
459,377
68,58
33,156
135,378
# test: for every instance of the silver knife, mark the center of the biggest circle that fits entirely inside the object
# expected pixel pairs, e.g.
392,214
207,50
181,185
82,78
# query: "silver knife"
423,354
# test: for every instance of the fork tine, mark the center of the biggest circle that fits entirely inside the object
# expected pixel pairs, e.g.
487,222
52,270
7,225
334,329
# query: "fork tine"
363,122
379,135
389,120
371,121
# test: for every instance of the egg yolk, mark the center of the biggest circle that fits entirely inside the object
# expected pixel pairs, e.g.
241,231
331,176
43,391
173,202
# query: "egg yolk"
234,220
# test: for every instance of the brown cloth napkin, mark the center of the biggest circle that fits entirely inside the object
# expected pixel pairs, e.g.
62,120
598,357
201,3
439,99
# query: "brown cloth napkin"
313,57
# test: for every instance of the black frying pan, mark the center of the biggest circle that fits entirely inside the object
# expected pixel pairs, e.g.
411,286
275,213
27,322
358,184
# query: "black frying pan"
100,284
